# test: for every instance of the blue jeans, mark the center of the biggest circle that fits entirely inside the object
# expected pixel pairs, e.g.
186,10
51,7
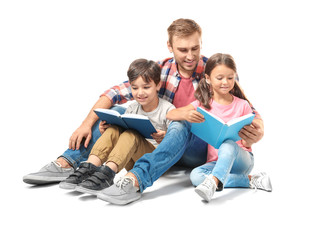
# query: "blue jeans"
75,157
232,167
178,142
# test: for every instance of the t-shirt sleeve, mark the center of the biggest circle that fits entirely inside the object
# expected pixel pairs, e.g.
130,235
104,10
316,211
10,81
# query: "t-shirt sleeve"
195,104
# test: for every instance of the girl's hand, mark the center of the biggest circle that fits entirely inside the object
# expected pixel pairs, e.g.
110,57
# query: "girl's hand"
194,116
252,133
103,126
159,135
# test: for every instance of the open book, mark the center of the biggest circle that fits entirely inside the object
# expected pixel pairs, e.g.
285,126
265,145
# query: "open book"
215,131
137,122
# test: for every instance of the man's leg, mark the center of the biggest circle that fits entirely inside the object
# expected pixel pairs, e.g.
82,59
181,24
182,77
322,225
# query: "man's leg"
151,166
55,171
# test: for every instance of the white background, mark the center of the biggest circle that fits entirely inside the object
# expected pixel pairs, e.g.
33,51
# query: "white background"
57,57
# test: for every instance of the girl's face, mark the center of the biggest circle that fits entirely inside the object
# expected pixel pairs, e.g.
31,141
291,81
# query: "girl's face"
145,94
221,79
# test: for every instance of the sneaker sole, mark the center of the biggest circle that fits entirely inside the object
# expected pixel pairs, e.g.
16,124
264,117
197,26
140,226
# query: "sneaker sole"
202,195
42,180
86,190
116,201
67,186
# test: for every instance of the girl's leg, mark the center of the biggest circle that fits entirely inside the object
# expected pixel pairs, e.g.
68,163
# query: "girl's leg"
233,165
198,174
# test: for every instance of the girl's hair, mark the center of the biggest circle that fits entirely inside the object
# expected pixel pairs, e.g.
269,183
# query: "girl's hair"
204,92
148,70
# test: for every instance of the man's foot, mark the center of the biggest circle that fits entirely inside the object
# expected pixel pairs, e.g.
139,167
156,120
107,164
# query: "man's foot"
122,192
51,173
83,172
261,181
101,179
207,188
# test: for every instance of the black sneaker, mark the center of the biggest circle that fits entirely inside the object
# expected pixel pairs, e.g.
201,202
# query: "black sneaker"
83,172
102,178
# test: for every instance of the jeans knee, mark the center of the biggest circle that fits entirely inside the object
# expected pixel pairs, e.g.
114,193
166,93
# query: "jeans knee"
197,177
229,146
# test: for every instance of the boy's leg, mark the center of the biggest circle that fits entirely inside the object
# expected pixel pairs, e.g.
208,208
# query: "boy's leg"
54,172
130,147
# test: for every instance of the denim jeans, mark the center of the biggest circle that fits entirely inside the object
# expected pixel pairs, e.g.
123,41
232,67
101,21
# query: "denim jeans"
75,157
232,167
178,142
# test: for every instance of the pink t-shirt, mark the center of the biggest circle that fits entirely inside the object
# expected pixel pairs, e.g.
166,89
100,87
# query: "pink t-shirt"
184,94
237,108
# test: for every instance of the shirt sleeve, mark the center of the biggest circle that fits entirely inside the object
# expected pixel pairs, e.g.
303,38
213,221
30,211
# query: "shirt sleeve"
171,107
195,104
119,94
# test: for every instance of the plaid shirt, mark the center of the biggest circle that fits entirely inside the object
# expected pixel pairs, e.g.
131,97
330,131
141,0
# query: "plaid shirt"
170,79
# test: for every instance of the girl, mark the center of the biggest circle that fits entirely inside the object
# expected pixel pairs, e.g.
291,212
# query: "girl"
228,166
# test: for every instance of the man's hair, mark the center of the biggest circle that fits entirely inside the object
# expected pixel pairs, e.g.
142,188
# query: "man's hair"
182,28
148,70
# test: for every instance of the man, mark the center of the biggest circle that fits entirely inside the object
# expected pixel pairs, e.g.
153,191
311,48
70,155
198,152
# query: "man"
180,76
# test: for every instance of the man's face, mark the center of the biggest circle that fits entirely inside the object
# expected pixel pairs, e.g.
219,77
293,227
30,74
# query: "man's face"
186,52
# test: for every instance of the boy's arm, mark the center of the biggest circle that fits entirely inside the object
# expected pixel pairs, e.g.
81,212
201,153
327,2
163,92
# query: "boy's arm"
116,95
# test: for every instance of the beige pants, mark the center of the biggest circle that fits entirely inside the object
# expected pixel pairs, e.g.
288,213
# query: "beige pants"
123,147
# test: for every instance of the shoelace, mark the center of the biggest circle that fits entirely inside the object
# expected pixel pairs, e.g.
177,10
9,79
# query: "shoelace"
123,182
255,183
209,183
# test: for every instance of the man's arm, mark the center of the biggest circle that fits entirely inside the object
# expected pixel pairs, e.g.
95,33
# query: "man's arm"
252,133
84,131
116,95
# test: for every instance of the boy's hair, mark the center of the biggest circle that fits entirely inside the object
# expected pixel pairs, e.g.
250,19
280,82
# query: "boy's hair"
148,70
182,28
204,92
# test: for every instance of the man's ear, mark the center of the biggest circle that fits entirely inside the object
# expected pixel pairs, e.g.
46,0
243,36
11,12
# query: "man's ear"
169,46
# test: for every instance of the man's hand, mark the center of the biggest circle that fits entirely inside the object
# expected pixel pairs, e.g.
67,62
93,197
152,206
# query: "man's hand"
158,136
252,133
76,138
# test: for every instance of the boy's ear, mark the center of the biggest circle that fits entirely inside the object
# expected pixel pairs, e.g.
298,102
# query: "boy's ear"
169,46
158,86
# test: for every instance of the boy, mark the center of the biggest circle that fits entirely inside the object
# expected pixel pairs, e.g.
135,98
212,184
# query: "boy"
120,148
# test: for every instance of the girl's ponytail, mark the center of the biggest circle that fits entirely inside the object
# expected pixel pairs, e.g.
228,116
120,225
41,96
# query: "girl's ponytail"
204,93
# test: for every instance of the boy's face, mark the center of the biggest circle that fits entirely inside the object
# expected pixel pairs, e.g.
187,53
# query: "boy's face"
144,93
186,52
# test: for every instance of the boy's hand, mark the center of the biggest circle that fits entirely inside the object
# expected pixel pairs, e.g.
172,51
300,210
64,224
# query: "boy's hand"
103,126
159,135
194,116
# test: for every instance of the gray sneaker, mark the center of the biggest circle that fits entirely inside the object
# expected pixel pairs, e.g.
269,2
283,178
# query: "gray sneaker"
207,188
122,192
51,173
261,181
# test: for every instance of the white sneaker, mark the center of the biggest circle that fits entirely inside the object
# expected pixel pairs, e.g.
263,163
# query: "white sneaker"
207,188
122,192
261,181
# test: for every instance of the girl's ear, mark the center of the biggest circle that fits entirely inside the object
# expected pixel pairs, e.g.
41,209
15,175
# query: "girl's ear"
207,79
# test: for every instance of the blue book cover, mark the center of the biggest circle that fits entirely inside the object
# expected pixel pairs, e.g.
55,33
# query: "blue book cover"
137,122
215,131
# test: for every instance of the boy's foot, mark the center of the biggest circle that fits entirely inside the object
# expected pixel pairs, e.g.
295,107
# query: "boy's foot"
51,173
101,179
122,192
207,188
261,181
83,172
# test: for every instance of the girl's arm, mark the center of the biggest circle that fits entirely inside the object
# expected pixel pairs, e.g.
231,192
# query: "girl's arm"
187,113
